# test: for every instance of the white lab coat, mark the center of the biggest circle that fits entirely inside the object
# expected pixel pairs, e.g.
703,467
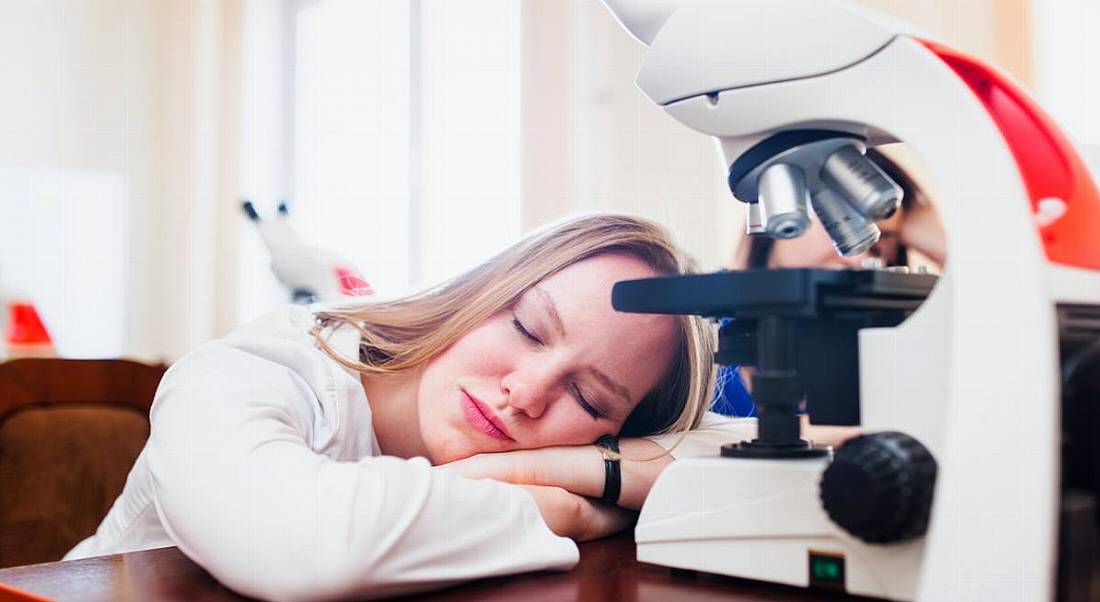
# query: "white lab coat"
263,467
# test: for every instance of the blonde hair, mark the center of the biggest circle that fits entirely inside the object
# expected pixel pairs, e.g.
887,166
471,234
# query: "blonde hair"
408,332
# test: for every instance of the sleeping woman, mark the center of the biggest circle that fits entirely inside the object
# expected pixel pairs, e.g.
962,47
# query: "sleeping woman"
360,450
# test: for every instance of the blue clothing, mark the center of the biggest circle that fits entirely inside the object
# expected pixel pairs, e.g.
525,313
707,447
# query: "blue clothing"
731,398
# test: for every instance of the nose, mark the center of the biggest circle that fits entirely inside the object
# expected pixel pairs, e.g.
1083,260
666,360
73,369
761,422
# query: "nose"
530,392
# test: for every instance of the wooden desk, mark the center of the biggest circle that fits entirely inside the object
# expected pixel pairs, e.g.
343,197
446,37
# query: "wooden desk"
607,572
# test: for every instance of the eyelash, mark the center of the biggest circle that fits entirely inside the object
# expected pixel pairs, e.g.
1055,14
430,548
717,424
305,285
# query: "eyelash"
587,407
523,331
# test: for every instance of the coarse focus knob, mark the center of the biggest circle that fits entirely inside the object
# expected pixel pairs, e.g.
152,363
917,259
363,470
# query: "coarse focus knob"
879,487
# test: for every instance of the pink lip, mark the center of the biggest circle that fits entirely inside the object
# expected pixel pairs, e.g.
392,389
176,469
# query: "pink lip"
483,419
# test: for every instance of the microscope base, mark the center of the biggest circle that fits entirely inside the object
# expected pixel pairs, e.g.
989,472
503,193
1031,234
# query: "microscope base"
762,519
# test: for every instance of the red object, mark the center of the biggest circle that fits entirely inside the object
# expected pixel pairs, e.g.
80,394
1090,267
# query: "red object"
13,594
26,328
1055,176
351,283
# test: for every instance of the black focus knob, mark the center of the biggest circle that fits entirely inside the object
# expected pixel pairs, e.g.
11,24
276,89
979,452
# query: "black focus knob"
879,487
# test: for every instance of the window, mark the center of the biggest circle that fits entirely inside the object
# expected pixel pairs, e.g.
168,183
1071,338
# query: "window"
400,134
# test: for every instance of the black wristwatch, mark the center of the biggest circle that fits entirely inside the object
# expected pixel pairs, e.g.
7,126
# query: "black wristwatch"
613,480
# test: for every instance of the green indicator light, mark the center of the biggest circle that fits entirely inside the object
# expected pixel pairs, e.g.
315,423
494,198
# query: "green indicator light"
826,569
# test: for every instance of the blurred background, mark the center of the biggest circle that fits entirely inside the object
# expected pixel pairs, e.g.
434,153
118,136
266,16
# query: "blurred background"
413,137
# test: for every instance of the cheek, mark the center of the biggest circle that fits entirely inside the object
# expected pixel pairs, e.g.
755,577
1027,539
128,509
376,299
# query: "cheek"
482,351
481,357
572,430
806,251
567,424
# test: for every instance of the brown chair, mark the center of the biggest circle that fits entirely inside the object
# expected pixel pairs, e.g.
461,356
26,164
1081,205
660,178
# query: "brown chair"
69,432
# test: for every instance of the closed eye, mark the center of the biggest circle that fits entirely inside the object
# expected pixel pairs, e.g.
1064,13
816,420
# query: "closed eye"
587,407
520,328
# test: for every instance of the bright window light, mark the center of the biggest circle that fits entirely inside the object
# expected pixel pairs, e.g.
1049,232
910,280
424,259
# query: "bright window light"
471,125
398,135
351,134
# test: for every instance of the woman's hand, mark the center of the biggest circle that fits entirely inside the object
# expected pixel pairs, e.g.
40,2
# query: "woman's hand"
578,469
577,517
522,467
922,230
834,436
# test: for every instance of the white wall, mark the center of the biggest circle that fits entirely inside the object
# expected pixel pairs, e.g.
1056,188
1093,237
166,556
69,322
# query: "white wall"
592,141
147,92
1068,65
996,31
63,245
133,89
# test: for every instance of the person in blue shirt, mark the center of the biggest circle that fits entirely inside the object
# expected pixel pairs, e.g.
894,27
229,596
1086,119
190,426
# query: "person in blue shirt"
912,237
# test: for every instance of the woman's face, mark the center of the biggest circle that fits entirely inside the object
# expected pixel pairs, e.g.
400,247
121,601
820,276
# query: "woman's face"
560,367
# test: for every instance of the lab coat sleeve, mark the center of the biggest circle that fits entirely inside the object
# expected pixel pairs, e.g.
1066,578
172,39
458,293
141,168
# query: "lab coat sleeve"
714,431
239,490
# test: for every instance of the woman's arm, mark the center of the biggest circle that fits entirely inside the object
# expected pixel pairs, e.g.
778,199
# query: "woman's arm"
578,469
834,436
238,485
578,517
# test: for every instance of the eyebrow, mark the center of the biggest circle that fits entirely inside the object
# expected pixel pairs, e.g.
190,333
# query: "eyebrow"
615,387
552,309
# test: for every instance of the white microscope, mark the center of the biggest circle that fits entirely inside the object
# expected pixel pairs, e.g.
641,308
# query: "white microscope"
978,392
310,273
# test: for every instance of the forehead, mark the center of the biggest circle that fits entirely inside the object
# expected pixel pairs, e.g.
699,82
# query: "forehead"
634,349
586,286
